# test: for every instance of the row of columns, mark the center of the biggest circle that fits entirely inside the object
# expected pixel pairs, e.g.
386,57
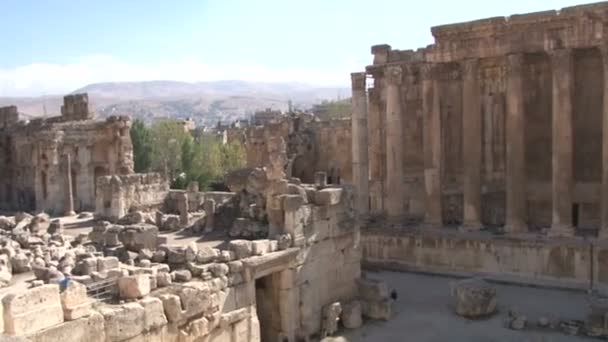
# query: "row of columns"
515,176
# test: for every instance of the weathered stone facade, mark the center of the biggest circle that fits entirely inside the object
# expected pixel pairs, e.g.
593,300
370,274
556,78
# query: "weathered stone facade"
312,146
500,122
34,169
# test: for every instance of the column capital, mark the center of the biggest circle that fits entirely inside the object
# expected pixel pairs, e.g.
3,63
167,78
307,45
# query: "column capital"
515,63
428,71
470,68
358,80
393,74
561,58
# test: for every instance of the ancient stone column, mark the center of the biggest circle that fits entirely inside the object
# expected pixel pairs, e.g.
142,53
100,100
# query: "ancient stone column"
360,142
603,232
69,195
471,144
376,138
431,132
394,144
562,82
515,182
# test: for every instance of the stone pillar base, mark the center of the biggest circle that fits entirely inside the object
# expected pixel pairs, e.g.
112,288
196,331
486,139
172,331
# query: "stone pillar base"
561,231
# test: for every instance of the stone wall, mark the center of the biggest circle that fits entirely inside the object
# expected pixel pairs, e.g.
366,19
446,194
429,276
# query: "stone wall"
119,194
542,261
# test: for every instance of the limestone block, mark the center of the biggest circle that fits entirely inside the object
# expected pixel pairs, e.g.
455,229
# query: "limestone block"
107,263
352,315
75,302
20,263
199,327
172,307
181,276
219,269
207,254
327,197
159,256
372,290
597,318
235,266
32,310
123,321
260,247
154,314
89,329
474,297
382,309
87,266
292,202
227,256
176,255
135,286
242,248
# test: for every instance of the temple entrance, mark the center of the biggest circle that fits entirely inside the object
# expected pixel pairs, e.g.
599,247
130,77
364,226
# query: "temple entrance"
267,297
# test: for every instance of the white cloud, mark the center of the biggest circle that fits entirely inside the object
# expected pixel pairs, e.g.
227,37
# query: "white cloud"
47,78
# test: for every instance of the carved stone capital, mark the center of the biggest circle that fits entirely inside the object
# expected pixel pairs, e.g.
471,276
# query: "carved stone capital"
358,80
561,59
428,71
470,68
393,74
515,63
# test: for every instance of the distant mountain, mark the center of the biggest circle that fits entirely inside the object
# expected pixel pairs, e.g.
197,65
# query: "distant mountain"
205,102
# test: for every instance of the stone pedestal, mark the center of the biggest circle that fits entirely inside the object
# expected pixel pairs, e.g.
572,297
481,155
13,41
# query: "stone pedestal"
471,143
360,142
515,186
431,132
561,64
394,145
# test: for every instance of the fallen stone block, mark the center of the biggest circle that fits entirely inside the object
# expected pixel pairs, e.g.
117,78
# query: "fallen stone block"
75,302
135,286
474,298
352,315
382,309
242,248
260,247
32,310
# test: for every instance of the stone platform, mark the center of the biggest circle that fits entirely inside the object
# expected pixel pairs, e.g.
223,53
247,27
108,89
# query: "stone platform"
576,263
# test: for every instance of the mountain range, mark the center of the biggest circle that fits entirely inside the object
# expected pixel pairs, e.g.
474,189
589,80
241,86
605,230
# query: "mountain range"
205,102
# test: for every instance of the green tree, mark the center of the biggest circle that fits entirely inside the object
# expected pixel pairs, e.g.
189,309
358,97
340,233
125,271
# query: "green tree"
233,157
167,140
142,146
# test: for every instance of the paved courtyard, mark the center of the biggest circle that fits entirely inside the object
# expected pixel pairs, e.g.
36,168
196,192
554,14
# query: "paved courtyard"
422,313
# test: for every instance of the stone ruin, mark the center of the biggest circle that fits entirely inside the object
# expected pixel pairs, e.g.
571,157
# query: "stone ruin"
312,146
285,265
51,164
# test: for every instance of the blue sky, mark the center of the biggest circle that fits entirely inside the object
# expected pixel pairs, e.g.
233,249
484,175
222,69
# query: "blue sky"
56,46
